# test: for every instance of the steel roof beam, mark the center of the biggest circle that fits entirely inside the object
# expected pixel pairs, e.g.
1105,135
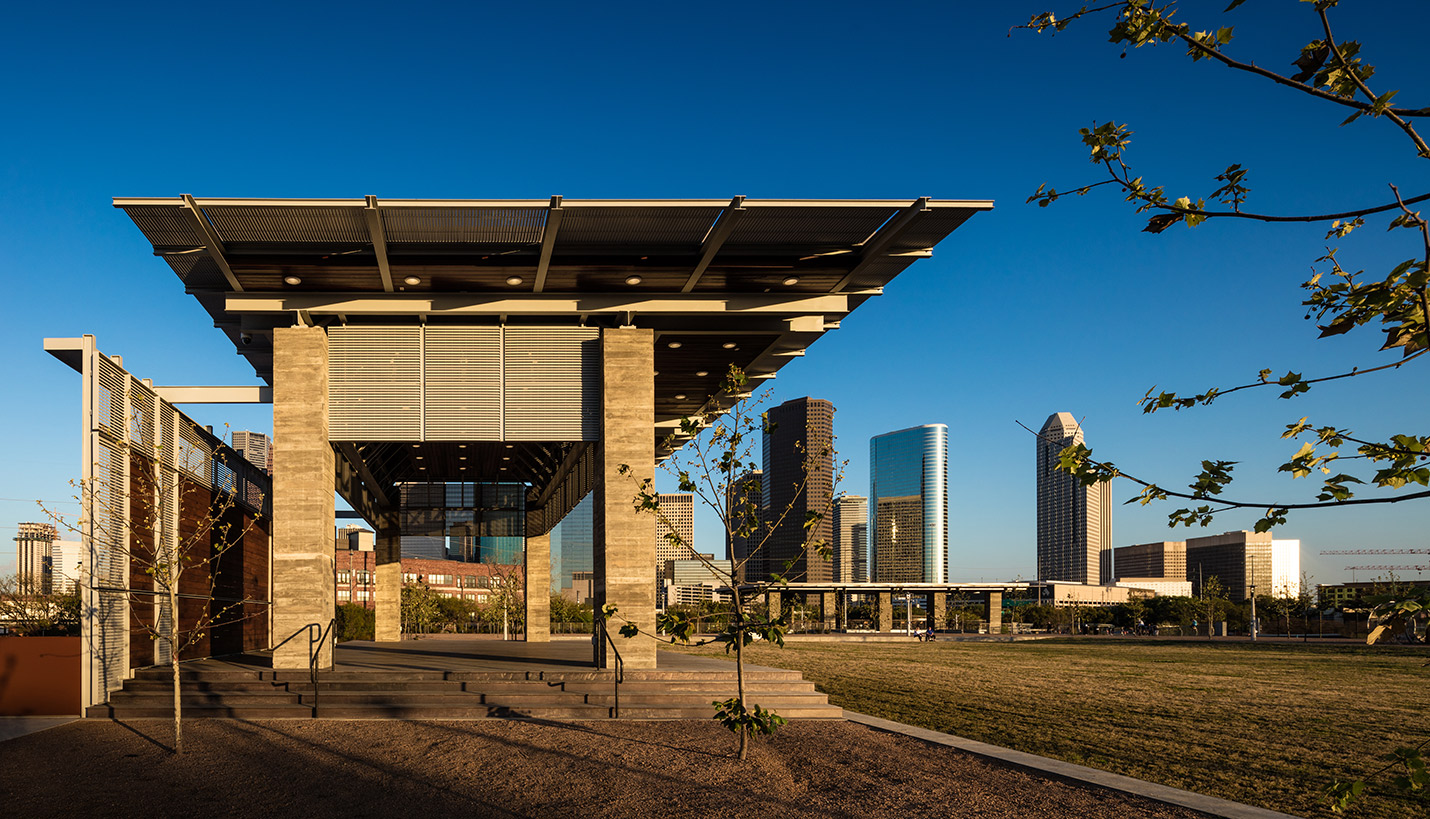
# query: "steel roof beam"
379,241
414,305
878,245
717,237
548,242
212,243
133,201
216,395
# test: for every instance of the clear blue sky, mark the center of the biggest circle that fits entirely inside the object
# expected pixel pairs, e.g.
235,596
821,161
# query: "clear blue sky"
1021,313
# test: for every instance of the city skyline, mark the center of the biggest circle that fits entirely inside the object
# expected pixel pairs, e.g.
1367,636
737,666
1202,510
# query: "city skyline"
934,346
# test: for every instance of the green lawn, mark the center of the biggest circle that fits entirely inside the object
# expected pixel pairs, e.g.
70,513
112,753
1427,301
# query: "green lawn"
1264,724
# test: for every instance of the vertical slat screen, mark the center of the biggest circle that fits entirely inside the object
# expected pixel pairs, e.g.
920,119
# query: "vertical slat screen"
462,376
375,383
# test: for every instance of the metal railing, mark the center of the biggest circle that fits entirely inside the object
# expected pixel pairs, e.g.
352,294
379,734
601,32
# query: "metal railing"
315,647
317,635
599,634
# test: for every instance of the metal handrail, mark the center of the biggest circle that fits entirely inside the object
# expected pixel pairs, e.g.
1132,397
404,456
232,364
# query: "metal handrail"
605,634
314,647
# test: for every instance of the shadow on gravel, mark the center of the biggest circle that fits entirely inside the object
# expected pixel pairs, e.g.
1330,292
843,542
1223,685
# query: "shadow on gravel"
571,726
340,767
138,733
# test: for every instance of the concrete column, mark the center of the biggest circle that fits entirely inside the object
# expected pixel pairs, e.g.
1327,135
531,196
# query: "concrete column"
538,589
387,591
303,478
828,609
624,539
993,612
938,608
886,612
774,603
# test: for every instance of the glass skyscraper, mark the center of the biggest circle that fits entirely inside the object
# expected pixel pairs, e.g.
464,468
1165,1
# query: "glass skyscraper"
908,505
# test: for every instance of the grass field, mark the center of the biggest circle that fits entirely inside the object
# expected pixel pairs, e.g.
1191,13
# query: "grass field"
1265,724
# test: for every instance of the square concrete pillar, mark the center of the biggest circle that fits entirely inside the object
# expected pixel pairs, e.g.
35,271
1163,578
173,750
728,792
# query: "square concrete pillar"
828,611
886,612
623,538
774,603
537,575
938,608
387,592
303,480
993,612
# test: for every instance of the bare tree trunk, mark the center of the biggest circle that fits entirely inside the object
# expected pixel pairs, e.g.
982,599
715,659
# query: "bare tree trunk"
740,671
174,663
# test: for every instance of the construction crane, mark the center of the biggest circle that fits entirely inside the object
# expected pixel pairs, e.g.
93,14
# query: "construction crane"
1377,552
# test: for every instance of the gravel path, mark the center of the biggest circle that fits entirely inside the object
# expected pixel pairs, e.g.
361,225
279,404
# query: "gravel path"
313,769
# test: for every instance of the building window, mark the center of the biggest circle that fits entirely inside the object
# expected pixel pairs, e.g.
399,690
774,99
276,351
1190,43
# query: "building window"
344,577
343,594
409,577
364,594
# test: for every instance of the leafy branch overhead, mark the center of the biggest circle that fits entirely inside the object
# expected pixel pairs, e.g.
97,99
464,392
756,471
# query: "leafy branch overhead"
1336,299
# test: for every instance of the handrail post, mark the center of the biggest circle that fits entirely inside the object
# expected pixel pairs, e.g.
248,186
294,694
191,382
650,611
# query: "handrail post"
599,623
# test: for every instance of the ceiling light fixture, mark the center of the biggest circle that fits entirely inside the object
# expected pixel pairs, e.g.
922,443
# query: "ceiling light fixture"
412,280
509,446
701,373
513,280
462,458
633,280
292,280
414,446
729,345
674,345
506,457
791,280
680,396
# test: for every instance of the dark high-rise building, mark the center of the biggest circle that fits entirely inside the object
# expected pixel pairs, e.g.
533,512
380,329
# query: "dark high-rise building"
743,510
799,479
1074,521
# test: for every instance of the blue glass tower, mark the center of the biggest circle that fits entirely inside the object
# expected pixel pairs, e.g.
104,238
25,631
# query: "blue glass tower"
908,505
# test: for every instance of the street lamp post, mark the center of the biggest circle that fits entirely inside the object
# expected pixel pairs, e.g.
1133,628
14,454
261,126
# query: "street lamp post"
1253,612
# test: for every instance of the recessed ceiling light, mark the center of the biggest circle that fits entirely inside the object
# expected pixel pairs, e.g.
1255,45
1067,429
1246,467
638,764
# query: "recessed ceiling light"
701,373
461,446
412,280
513,280
674,345
462,458
292,280
633,280
790,281
729,345
414,446
509,446
680,396
419,457
506,457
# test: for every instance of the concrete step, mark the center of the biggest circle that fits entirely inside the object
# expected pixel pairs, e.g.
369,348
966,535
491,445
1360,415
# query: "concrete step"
724,688
680,701
111,711
198,698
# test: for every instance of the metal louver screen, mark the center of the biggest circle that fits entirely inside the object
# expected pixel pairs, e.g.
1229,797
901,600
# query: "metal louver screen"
464,384
375,383
552,384
462,374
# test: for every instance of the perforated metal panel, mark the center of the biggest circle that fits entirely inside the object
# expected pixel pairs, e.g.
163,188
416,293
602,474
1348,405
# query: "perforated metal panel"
464,384
463,377
375,383
553,384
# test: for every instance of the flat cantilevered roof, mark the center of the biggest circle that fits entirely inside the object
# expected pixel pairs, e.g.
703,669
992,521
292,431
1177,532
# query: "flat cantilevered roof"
744,281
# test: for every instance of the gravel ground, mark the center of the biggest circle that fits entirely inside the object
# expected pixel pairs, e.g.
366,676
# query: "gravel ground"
316,769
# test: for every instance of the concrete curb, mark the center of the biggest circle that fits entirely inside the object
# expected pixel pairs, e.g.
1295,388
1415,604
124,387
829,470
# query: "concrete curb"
1080,774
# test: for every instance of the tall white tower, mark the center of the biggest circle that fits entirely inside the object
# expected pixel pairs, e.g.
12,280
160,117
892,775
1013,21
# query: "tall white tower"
1074,521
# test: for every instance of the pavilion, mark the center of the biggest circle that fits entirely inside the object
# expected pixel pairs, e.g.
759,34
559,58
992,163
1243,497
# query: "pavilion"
477,367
